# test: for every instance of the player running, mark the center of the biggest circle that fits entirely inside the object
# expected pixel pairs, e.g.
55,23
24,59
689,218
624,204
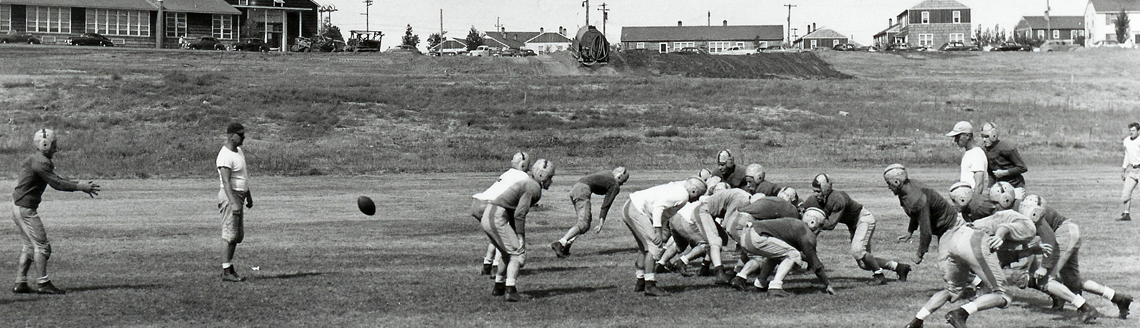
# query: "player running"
929,213
644,213
35,174
1064,261
840,208
504,221
601,183
520,164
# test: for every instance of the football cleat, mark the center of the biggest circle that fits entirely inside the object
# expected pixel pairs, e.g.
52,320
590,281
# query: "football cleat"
487,269
228,274
737,283
1058,305
778,292
499,289
512,295
21,288
1087,313
705,271
1122,301
48,288
914,323
640,286
957,318
723,275
680,267
1124,217
903,270
652,290
559,249
878,279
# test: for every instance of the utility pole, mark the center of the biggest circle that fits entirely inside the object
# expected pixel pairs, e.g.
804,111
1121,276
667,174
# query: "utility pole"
326,12
498,26
587,5
367,3
709,19
1048,24
790,6
605,17
441,32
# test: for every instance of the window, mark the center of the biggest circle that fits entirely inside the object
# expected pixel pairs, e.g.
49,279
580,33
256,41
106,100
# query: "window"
957,37
813,44
718,46
926,17
1110,19
957,16
762,44
679,45
223,27
1110,36
926,40
640,45
663,47
1056,34
243,2
740,45
5,18
175,25
1040,34
118,22
49,19
1074,34
834,43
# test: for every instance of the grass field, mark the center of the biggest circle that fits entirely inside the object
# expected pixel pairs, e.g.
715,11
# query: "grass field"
144,254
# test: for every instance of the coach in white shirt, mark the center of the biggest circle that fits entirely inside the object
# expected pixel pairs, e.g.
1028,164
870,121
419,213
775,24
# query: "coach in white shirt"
974,160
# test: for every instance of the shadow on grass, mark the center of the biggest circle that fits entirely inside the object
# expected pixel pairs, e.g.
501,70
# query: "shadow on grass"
564,291
91,288
689,288
18,300
289,275
618,251
549,269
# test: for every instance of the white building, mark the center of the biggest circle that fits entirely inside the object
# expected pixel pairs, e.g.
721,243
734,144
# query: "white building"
1100,20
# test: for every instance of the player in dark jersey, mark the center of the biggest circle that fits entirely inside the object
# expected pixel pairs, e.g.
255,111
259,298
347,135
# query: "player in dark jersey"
606,183
929,213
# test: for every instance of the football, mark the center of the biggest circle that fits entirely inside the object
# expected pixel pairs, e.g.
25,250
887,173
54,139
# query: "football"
366,205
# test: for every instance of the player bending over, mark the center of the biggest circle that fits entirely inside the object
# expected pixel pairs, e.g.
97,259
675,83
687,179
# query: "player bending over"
789,242
520,164
644,213
606,183
504,221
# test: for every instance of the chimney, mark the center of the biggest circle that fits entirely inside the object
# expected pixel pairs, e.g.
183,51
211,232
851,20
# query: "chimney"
726,22
503,29
540,30
813,28
560,31
890,22
808,29
678,23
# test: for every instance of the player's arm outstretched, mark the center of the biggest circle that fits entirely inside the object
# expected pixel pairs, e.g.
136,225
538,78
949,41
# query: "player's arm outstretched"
46,172
605,210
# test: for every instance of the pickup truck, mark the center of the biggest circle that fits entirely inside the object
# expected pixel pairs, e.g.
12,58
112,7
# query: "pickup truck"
482,51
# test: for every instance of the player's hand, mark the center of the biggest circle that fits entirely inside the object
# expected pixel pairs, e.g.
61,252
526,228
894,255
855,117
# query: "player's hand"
905,238
249,202
829,290
1040,273
598,229
996,242
660,238
918,258
90,188
1001,173
1046,249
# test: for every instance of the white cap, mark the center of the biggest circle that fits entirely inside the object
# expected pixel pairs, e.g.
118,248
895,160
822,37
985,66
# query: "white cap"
960,128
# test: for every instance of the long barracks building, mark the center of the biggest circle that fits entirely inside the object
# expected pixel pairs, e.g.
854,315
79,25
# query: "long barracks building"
135,23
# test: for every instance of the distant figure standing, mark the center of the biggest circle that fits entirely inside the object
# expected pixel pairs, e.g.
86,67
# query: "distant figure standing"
1004,162
36,173
1130,172
234,193
607,183
974,163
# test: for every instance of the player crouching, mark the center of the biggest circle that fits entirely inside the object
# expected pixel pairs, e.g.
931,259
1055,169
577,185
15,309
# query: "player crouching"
644,214
791,243
504,221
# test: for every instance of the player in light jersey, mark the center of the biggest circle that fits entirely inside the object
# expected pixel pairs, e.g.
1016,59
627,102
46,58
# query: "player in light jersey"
694,226
974,166
1064,263
233,193
606,183
504,221
520,164
840,208
644,213
1130,171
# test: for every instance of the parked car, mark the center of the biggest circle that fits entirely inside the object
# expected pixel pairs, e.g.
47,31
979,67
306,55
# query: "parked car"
526,52
734,51
482,51
13,37
1110,44
90,39
207,43
1057,45
691,50
1011,46
251,45
898,47
957,46
404,49
844,47
508,52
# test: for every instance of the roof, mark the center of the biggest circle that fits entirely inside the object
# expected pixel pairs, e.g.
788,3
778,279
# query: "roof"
549,37
199,6
1056,22
511,39
940,4
182,6
102,4
824,33
1113,6
893,29
691,33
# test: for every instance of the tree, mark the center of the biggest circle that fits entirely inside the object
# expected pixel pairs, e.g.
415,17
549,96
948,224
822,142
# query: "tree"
253,29
332,32
433,41
474,39
1121,26
411,39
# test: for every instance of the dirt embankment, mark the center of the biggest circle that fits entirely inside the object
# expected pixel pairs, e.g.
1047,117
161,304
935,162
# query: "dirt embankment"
803,65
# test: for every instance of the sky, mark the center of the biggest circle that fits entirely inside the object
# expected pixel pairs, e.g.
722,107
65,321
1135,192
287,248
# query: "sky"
858,19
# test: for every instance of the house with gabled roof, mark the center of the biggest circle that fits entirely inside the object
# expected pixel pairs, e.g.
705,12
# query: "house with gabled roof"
820,38
889,36
541,41
711,38
1051,28
932,23
1100,20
